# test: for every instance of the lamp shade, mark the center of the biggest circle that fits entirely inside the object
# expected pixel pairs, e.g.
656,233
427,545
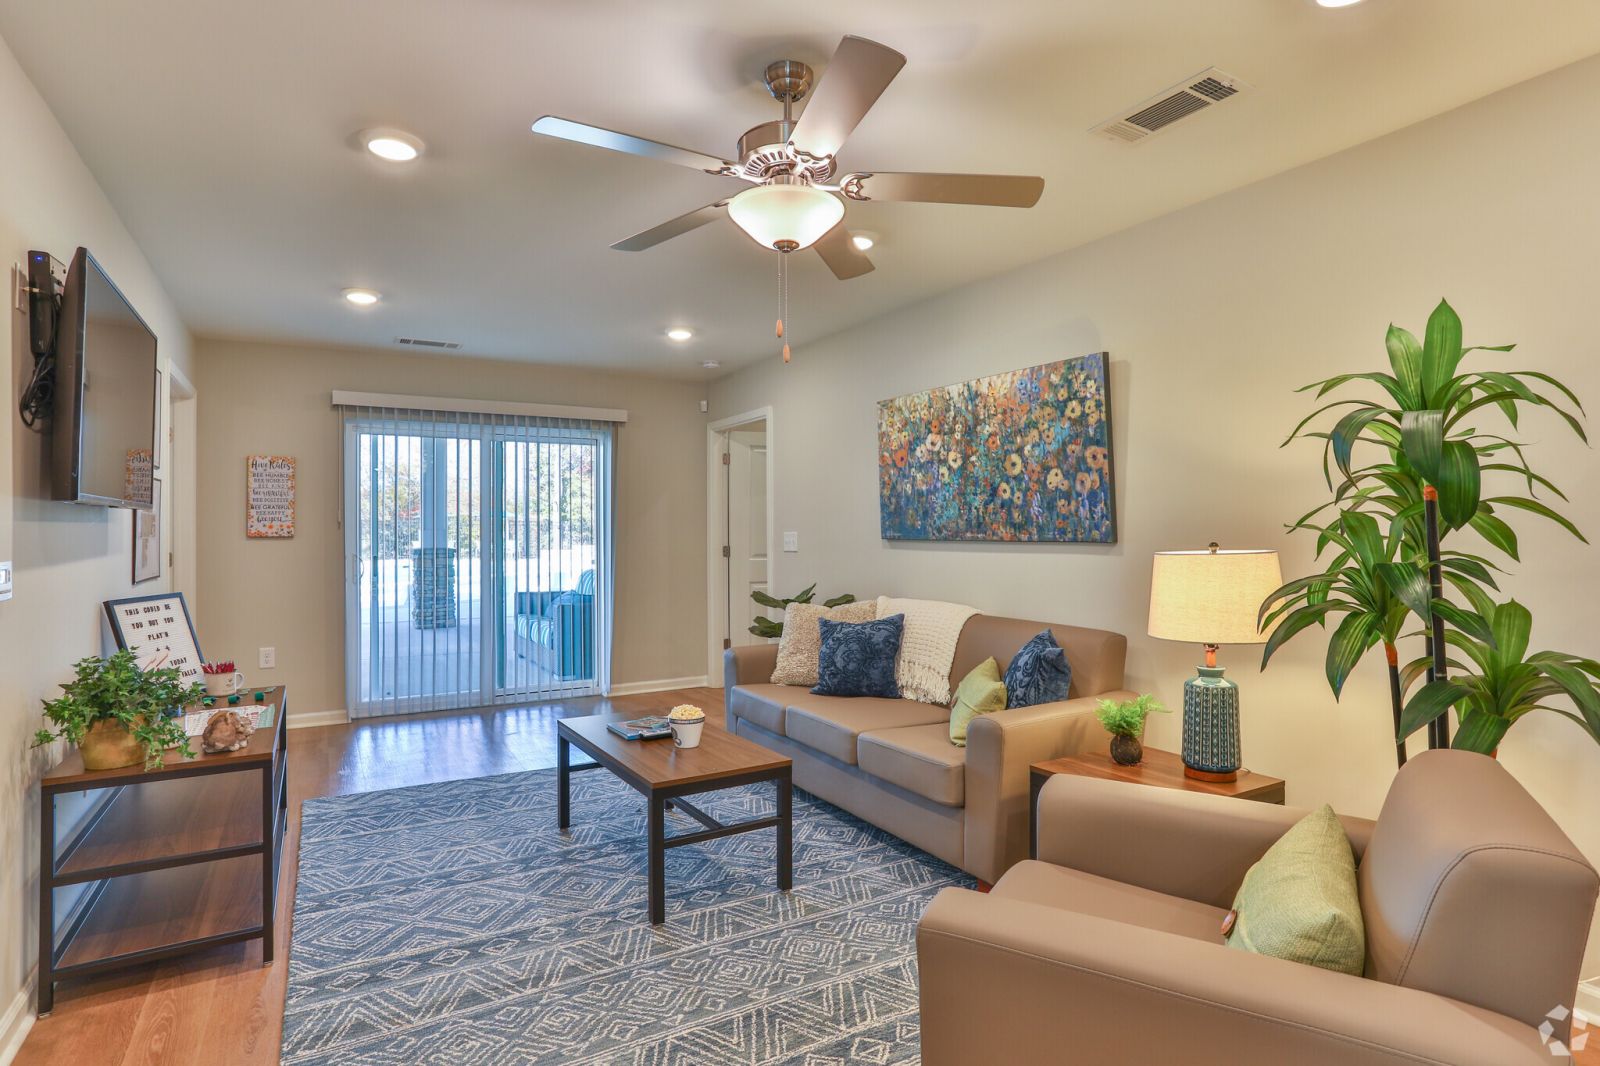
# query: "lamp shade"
784,214
1211,597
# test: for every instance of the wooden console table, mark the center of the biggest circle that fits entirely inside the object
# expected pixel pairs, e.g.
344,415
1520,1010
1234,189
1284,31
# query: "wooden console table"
178,859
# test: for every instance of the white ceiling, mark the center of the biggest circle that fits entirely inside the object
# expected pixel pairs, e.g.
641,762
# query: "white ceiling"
221,131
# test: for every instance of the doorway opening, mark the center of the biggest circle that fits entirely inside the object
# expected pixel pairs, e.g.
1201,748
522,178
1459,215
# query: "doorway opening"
740,526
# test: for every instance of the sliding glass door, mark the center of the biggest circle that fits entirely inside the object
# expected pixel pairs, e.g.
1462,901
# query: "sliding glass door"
478,560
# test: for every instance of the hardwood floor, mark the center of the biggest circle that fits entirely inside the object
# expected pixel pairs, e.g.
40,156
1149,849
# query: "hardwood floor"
222,1006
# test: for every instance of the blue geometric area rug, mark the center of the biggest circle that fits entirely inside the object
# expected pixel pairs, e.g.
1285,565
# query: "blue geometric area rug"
453,923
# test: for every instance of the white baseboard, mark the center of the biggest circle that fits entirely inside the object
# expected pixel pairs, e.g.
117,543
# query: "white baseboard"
1588,1000
310,719
16,1021
634,688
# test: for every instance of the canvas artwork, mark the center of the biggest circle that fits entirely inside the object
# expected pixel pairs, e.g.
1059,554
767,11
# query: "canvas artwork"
1019,456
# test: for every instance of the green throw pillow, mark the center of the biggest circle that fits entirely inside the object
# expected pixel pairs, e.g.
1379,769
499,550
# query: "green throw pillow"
1299,901
980,692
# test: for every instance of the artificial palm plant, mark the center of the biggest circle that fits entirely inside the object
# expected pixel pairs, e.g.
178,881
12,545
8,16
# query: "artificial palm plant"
1390,516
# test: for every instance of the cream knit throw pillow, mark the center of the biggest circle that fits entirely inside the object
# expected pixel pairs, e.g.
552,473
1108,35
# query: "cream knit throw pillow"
800,647
928,646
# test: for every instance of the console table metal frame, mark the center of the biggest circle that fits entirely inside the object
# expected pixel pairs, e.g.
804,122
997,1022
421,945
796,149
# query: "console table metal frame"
265,754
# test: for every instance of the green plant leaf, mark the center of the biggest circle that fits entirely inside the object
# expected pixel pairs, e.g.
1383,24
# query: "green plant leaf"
1429,702
1495,532
1293,623
1535,507
1348,431
1576,684
1511,624
1410,584
1441,351
840,601
767,601
1422,441
1405,359
1458,483
1352,639
1471,624
1480,731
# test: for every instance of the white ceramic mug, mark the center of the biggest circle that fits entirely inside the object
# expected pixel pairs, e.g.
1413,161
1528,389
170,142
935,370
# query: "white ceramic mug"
686,734
224,684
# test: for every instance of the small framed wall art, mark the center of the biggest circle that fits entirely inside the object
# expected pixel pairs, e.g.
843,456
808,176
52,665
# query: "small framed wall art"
147,538
269,496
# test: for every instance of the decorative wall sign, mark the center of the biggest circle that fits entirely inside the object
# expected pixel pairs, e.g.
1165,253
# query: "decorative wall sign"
269,496
1019,456
138,468
147,538
159,631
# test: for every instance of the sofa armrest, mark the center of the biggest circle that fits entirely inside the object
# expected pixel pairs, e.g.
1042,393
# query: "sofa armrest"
1000,748
750,664
1179,843
1006,981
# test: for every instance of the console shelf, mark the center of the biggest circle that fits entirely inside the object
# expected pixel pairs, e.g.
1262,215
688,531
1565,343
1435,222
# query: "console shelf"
177,859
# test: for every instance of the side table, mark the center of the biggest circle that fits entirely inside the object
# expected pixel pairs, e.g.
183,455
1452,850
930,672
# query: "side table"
1163,769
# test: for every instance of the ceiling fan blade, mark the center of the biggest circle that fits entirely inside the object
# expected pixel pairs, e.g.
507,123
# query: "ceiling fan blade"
856,76
842,256
567,130
987,190
672,228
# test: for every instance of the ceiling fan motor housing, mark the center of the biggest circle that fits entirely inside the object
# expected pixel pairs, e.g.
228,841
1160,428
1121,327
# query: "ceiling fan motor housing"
764,151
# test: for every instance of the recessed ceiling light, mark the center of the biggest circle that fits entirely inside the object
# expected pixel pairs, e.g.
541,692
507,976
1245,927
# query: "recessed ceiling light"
396,146
710,364
362,297
1337,3
679,334
862,241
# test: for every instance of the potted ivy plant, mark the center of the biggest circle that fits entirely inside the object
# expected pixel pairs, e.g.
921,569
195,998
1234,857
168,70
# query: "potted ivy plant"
117,714
1124,720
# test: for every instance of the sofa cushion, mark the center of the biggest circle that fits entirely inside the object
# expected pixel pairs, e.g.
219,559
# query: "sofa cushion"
858,657
980,692
800,647
918,758
832,724
762,704
1038,673
1072,890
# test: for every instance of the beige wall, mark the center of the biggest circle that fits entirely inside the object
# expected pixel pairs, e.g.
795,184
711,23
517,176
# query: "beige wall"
1213,316
289,594
68,558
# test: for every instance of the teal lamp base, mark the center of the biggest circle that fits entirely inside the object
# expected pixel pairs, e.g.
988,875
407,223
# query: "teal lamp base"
1211,726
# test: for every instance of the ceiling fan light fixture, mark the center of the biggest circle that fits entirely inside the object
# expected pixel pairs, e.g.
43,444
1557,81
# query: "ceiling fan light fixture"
862,241
785,214
394,146
680,334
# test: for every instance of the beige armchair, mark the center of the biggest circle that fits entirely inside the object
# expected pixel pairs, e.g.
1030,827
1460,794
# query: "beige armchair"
1109,949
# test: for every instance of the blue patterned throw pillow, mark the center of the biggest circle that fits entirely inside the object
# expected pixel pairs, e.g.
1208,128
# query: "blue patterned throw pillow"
1038,673
858,657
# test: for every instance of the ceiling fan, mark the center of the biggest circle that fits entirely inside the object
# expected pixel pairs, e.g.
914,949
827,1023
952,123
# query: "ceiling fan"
795,201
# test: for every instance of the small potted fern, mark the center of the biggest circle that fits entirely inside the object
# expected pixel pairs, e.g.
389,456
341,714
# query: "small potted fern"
117,714
1124,720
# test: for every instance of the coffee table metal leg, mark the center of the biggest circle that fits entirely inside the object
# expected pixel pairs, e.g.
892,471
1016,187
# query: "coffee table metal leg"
785,831
563,782
658,860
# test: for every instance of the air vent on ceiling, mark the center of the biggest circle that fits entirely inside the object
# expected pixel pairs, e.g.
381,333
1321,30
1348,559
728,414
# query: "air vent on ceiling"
1142,121
418,342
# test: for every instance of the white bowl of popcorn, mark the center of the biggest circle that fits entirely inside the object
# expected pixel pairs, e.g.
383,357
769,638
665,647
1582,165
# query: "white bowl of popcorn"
687,722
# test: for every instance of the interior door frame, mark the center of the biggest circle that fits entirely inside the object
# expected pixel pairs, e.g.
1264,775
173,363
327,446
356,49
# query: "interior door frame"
716,526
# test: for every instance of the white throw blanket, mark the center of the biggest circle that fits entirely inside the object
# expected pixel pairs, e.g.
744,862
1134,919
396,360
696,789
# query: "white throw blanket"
927,645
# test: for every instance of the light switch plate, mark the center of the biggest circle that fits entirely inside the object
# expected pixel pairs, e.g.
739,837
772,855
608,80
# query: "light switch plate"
267,658
5,581
791,542
19,286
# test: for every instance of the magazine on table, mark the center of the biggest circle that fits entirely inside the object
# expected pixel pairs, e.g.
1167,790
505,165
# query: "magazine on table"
651,727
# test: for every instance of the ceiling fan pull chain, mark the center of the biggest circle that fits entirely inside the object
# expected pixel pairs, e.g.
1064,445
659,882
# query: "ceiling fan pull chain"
783,285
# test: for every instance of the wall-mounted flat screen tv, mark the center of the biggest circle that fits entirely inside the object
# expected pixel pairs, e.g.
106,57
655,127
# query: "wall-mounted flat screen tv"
102,448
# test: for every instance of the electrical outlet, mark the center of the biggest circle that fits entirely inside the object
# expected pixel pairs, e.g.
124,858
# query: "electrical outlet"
791,542
267,658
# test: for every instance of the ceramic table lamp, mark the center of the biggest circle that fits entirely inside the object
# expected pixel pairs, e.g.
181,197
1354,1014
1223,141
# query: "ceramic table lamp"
1211,597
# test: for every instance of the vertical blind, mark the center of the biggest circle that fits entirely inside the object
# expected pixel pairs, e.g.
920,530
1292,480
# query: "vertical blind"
478,557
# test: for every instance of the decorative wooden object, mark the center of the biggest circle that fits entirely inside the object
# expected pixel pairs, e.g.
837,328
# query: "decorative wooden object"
1163,769
179,859
269,496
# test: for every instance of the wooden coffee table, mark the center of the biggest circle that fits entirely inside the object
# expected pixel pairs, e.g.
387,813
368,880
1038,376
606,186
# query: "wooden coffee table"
664,774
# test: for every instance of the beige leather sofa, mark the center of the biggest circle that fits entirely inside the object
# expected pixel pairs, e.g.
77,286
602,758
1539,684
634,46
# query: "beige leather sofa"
891,761
1109,948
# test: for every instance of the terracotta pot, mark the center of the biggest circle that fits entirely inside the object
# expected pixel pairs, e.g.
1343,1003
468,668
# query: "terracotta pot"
1126,751
109,746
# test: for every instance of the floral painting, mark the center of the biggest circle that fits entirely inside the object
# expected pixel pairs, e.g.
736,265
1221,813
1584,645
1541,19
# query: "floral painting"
1019,456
